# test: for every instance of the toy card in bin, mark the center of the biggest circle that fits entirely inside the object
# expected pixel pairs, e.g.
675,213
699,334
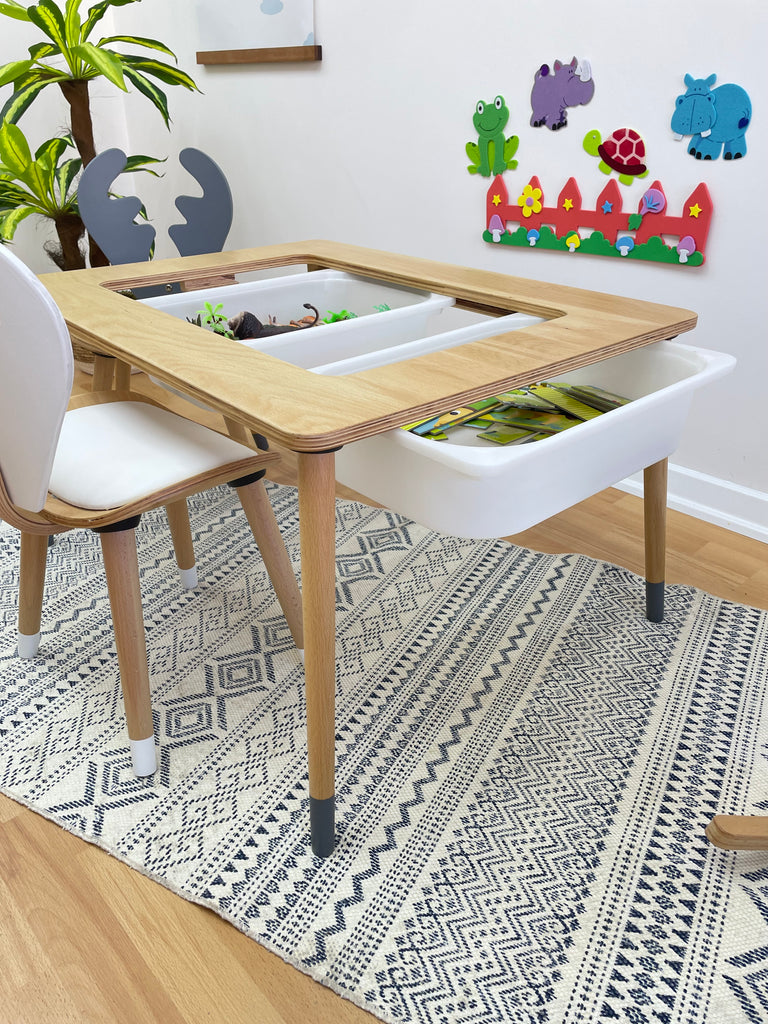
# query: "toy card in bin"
524,398
549,422
565,402
452,418
501,434
598,398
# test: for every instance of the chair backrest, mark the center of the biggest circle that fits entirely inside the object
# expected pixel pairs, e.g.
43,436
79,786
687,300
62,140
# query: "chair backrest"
209,217
110,220
36,372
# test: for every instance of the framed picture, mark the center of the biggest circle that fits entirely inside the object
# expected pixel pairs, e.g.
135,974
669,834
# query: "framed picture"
253,31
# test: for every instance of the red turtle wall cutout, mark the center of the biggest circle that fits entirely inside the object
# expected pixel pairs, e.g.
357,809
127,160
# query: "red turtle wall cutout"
633,236
623,151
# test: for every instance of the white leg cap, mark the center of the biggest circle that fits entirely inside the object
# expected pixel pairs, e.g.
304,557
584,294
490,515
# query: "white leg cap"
28,644
188,578
143,756
300,652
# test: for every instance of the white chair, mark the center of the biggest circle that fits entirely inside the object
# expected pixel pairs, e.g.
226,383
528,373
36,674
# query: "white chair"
99,462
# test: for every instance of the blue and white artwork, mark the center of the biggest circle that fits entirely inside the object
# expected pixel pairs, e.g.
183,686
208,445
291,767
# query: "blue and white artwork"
246,24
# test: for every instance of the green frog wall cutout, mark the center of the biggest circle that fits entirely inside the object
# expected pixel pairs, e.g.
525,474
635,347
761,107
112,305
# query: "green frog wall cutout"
492,153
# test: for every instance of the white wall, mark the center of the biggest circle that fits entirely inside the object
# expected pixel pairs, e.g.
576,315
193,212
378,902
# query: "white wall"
368,147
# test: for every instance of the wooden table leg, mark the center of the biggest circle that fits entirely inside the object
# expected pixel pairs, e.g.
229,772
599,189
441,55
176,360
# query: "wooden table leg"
655,515
103,373
317,520
122,375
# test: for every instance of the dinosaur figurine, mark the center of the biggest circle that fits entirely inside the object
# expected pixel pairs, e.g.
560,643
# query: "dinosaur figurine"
246,326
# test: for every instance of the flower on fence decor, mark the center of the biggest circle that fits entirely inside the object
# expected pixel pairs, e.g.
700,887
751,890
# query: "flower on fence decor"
530,200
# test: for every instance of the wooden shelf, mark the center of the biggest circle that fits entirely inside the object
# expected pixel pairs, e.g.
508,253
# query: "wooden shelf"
264,55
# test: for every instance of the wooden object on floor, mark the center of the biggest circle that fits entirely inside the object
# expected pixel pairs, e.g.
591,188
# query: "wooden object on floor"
739,831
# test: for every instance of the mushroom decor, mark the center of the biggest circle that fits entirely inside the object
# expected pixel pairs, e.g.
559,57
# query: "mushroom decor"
496,227
573,242
625,245
533,236
685,247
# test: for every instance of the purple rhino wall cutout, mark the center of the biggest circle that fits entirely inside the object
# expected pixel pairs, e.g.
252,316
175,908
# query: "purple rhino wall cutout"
568,85
715,118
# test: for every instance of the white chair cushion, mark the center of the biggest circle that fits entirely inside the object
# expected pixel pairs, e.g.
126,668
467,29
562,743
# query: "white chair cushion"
115,453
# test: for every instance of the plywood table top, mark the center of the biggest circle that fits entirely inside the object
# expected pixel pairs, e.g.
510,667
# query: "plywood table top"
310,412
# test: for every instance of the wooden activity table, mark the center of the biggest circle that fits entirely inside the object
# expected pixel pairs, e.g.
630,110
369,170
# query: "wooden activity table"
315,415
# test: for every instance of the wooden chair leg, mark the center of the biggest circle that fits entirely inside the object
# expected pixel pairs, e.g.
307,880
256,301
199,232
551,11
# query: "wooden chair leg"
34,550
655,515
122,571
261,518
181,534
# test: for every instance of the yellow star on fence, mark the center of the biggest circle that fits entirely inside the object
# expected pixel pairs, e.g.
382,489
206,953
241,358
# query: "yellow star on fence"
695,210
568,204
496,199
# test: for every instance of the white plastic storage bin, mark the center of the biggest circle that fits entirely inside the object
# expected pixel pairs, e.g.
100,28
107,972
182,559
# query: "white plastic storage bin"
327,290
395,349
474,488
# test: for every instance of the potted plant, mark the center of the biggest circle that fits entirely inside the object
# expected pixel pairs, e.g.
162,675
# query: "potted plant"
68,57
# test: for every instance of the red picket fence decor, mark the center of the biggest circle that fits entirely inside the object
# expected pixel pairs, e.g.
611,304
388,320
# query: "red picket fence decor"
569,214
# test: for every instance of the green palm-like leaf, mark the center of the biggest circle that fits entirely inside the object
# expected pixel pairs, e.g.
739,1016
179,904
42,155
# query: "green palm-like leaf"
138,163
15,69
72,21
10,220
150,90
49,19
51,150
104,61
41,181
98,11
40,50
158,69
22,98
11,194
41,73
65,176
14,150
14,10
149,44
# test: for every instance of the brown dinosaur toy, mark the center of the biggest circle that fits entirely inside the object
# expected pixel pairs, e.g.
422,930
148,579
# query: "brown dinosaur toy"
246,326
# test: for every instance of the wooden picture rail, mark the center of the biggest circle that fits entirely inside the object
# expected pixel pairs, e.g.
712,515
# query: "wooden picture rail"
262,55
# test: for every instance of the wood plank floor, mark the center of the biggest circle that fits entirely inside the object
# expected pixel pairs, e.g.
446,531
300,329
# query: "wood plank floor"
86,940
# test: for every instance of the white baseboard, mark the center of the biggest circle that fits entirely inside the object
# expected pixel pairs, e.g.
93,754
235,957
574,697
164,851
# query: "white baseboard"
717,501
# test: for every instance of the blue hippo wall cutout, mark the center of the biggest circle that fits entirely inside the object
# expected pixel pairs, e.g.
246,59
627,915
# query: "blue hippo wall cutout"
716,118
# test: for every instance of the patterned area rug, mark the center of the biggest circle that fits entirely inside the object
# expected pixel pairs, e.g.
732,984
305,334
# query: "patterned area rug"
525,769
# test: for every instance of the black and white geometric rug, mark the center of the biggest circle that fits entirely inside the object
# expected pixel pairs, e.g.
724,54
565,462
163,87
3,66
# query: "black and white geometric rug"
525,767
